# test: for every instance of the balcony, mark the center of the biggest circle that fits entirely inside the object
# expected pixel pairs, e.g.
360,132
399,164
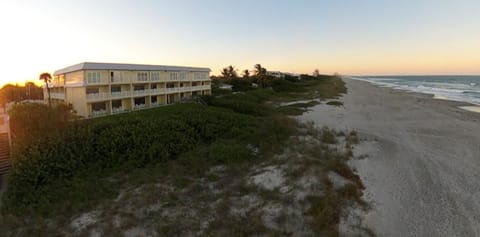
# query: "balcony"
139,107
121,94
199,88
96,82
119,80
118,110
173,90
98,96
157,91
140,93
99,113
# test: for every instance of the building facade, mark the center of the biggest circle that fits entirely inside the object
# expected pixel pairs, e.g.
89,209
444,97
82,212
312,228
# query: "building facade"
99,89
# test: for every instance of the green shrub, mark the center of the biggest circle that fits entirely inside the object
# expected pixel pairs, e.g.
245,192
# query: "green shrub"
96,148
229,152
328,136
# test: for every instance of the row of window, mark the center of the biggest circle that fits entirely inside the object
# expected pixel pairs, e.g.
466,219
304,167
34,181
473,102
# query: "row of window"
95,77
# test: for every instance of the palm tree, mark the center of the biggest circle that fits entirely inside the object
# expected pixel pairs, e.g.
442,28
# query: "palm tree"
47,78
260,74
229,72
259,70
246,73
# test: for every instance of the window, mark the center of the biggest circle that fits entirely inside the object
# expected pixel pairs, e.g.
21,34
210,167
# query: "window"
182,76
93,77
155,76
173,75
142,76
200,75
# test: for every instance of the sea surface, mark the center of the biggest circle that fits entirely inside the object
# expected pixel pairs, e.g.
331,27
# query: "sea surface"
456,88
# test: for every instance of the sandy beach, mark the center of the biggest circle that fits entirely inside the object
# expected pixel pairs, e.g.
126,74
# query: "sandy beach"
422,172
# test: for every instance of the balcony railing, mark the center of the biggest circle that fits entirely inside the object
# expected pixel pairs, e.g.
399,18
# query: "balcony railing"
157,91
140,93
126,94
119,80
121,94
99,113
139,106
96,82
98,96
118,110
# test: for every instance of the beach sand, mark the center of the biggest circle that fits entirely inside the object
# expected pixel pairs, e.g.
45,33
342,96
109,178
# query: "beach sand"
422,173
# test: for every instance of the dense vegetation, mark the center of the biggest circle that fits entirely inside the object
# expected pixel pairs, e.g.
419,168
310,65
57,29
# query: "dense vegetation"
60,164
16,93
58,167
64,166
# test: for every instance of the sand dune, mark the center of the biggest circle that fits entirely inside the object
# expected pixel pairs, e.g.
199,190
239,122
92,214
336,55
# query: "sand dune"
422,173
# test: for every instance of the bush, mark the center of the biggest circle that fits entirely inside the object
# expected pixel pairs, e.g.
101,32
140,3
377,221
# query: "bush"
96,148
282,85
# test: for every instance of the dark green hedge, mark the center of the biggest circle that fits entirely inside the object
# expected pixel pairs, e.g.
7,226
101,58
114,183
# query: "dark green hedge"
45,166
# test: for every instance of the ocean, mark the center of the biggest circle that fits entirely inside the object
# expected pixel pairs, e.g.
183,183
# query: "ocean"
456,88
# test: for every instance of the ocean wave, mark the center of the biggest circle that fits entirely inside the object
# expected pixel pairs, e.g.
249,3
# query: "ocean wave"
451,90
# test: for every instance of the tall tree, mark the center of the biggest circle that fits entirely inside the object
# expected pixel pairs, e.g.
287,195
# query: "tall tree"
47,78
229,72
260,74
259,70
246,73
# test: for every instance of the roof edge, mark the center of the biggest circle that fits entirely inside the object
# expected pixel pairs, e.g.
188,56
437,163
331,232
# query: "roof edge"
126,67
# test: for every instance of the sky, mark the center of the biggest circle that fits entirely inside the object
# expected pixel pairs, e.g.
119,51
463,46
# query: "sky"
351,37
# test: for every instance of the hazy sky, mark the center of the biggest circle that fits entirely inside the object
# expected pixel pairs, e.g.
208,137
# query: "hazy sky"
345,36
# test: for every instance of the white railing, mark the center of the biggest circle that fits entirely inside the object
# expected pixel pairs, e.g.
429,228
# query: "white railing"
119,80
96,82
57,95
118,110
140,81
121,94
126,94
157,91
204,87
98,96
140,92
98,113
139,106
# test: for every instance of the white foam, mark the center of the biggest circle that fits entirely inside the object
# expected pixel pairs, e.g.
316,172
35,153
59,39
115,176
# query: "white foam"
475,109
456,93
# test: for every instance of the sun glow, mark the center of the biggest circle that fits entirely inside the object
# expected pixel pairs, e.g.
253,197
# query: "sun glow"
43,36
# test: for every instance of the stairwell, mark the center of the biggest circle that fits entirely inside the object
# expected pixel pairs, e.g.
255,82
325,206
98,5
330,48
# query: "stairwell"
5,162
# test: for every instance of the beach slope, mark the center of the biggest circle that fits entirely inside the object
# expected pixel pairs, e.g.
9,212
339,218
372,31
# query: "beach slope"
422,172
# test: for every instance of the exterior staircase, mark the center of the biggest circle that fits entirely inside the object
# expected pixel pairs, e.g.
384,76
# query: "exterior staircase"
5,162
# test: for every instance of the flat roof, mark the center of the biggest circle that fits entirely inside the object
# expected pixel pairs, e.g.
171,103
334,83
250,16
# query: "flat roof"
126,67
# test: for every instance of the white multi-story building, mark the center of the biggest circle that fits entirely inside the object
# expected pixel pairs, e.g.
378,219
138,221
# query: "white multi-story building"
97,89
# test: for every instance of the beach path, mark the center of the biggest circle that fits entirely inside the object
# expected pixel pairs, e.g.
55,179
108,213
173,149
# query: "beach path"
422,173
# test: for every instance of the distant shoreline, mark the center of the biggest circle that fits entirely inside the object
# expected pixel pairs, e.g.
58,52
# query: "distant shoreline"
465,105
420,159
